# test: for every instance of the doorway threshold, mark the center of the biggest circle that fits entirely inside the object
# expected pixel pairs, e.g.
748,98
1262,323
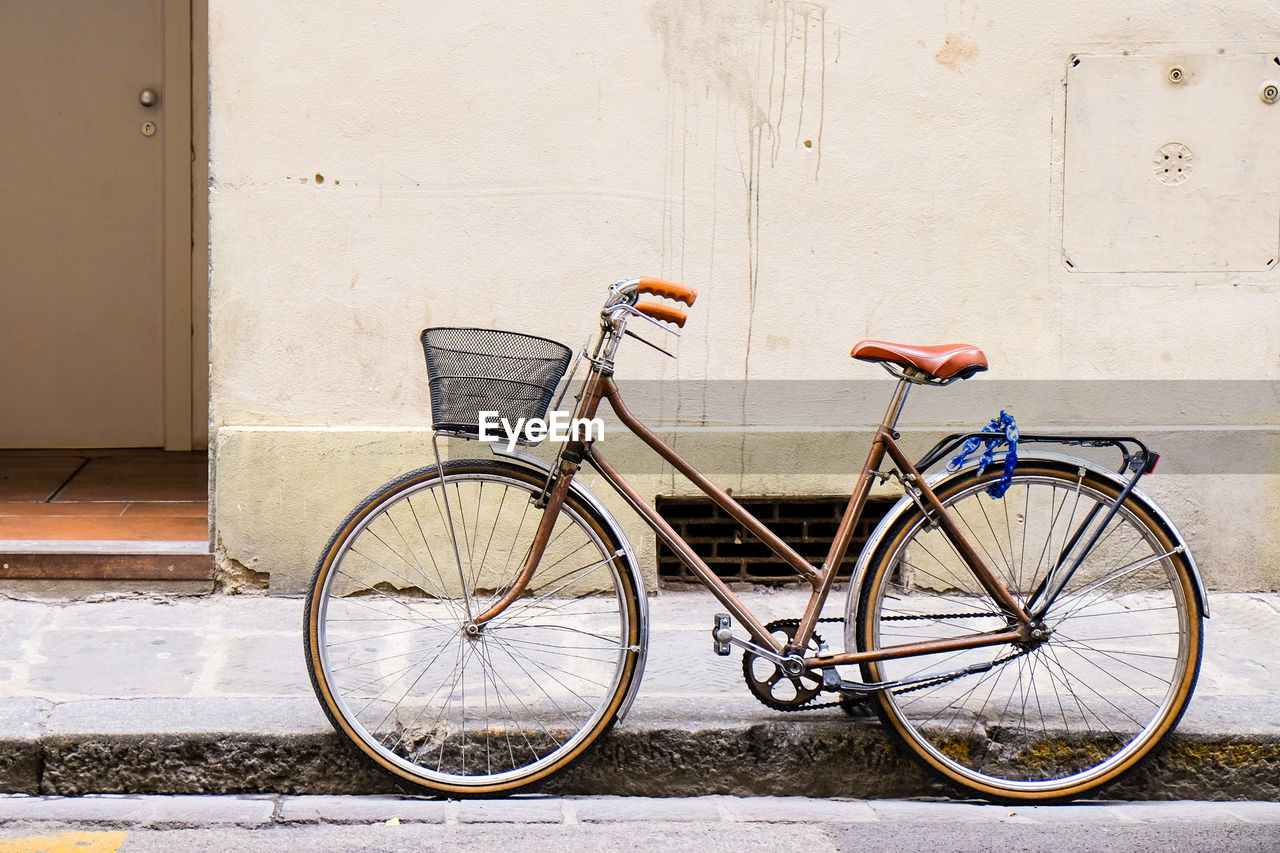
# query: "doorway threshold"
118,516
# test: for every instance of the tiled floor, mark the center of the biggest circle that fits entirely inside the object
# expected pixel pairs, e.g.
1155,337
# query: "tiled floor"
102,502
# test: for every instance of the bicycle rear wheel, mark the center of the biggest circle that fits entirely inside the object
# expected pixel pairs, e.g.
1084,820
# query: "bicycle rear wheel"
1052,720
404,674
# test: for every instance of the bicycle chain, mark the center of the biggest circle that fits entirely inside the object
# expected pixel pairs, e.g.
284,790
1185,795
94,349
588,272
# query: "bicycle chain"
945,678
970,615
811,705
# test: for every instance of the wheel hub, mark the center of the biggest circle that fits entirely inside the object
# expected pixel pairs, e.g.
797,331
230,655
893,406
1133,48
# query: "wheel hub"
1039,635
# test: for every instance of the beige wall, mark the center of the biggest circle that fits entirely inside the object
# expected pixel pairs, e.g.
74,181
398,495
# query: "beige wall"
820,173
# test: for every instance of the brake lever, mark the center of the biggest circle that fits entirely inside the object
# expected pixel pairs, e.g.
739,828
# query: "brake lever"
635,312
632,334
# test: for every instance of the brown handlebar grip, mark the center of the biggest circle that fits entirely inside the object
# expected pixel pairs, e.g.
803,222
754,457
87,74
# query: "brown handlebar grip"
666,313
667,290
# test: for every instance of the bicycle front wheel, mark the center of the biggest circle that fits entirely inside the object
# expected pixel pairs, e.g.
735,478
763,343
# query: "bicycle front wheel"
1054,719
406,675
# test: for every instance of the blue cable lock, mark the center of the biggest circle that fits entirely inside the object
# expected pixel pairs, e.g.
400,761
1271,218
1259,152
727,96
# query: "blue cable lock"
1003,431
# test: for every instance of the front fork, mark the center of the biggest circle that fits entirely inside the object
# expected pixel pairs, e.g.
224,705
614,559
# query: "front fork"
551,500
561,480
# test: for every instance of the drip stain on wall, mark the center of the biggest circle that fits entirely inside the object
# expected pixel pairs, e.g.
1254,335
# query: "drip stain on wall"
747,98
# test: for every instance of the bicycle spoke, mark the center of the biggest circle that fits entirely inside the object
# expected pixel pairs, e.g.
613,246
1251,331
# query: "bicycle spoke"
1117,574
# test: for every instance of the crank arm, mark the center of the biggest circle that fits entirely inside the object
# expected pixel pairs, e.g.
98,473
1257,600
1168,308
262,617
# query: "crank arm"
758,651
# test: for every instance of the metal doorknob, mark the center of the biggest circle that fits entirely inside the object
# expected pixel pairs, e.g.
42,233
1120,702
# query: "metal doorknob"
148,97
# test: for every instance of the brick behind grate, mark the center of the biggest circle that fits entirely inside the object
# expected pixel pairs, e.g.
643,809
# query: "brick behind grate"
807,524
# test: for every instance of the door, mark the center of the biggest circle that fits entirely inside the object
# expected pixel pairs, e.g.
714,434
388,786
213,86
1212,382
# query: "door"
95,225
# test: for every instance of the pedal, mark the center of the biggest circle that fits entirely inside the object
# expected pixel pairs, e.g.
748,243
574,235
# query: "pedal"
722,634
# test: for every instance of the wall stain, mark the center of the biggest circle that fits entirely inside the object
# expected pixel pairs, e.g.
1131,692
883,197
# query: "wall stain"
958,52
746,95
959,49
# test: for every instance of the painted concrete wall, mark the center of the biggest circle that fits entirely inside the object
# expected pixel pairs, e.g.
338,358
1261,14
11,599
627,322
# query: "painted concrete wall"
822,173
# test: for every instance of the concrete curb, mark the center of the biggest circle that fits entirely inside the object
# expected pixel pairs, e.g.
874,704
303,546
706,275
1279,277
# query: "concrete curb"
239,746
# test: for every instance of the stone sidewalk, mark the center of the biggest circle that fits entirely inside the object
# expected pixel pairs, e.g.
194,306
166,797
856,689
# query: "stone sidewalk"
210,695
257,810
256,823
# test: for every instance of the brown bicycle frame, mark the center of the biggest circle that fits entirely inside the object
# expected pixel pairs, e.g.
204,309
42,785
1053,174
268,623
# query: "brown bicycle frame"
601,386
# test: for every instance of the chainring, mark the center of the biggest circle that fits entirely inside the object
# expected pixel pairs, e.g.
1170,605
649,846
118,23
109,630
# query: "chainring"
771,685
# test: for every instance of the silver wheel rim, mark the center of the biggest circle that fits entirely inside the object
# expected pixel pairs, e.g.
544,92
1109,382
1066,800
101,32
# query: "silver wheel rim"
1051,671
470,652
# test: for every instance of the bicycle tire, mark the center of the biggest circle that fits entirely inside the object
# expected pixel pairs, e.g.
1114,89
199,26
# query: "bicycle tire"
1052,721
386,638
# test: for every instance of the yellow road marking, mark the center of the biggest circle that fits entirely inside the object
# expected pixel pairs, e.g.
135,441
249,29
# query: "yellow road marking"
67,842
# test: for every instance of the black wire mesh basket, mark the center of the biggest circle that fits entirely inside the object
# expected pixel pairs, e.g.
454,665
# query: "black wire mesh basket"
484,370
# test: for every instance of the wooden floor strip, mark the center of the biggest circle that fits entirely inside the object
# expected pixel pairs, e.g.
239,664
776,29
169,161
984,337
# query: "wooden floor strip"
131,567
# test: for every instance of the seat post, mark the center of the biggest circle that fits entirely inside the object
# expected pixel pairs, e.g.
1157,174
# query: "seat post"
890,421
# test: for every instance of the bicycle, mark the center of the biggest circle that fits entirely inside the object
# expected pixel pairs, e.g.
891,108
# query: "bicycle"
1030,630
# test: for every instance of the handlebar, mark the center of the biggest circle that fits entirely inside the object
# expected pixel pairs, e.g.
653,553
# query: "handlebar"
667,290
624,299
666,313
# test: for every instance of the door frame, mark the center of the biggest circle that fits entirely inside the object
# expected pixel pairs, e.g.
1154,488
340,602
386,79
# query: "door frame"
186,224
197,424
